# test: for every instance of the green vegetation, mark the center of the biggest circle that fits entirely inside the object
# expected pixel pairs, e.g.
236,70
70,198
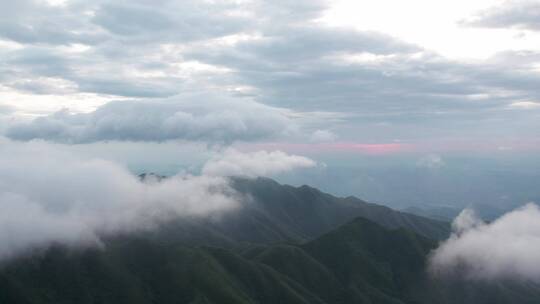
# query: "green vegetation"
377,260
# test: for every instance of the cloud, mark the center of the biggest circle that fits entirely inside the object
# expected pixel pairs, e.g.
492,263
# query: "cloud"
199,117
260,163
432,161
6,110
507,248
138,21
510,14
109,48
32,21
278,53
525,105
319,136
377,80
49,195
97,22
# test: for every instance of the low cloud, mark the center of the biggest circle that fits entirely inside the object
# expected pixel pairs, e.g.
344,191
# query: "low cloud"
260,163
51,195
48,195
200,117
507,248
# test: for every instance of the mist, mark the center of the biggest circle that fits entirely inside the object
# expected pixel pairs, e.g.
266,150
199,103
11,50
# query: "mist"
50,195
507,248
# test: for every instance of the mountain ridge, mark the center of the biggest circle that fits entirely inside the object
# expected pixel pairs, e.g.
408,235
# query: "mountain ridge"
187,261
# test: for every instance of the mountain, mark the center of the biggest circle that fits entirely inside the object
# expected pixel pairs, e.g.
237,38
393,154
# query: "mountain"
377,257
141,271
344,266
360,262
273,213
308,212
448,213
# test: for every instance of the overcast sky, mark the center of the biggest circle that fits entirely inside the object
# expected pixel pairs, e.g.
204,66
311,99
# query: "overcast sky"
163,85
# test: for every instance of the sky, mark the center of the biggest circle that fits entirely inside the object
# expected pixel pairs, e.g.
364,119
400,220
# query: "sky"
399,102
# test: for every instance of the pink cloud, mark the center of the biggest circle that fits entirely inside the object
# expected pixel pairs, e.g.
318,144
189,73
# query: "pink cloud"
349,147
436,146
387,148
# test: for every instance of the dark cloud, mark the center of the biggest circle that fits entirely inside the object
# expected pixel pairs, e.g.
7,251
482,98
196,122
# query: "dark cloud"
510,14
36,22
320,72
96,22
276,52
120,41
126,87
87,72
288,11
168,21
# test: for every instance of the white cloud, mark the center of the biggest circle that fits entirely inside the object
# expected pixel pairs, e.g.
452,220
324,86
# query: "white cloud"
525,105
260,163
445,34
507,248
49,195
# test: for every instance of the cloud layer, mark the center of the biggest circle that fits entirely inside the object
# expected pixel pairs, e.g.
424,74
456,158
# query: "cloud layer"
280,54
201,117
507,248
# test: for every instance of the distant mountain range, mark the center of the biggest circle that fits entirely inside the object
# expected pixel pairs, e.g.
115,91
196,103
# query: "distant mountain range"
448,213
285,245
